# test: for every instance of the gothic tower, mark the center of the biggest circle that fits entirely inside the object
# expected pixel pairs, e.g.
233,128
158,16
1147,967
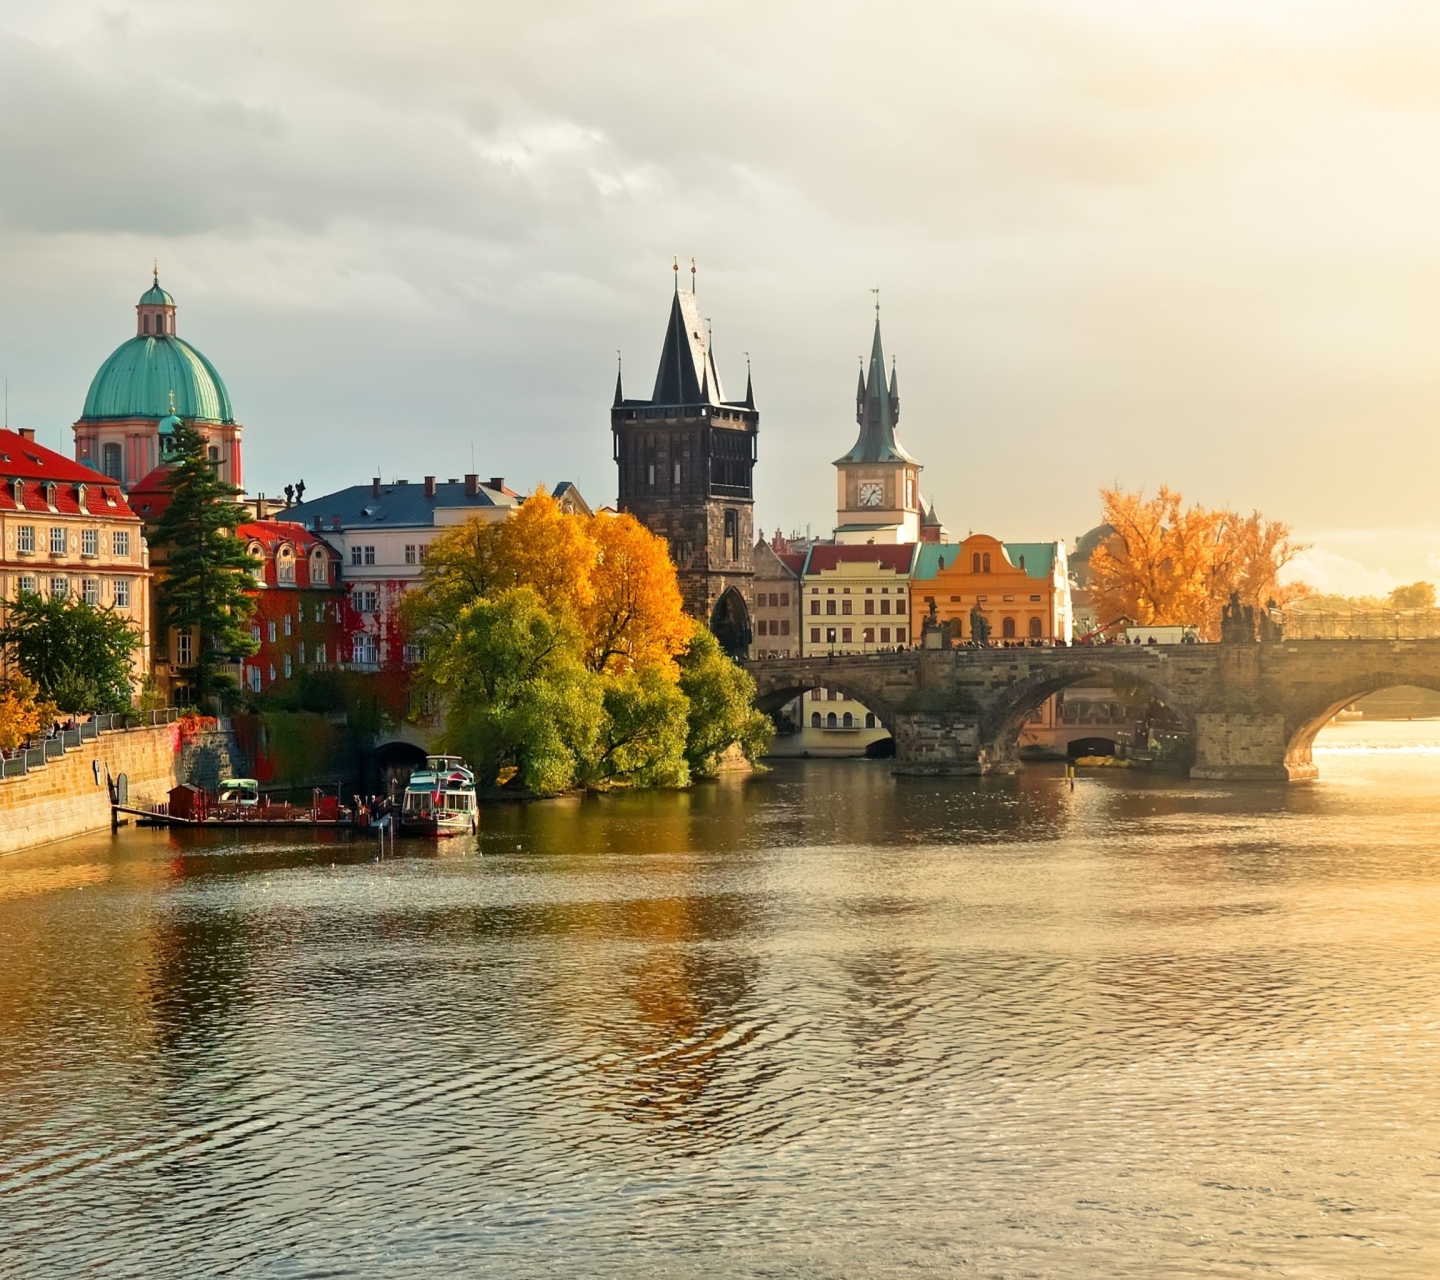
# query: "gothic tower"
879,483
685,458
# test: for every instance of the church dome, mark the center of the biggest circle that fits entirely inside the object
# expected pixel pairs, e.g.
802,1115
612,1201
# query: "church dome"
138,378
155,296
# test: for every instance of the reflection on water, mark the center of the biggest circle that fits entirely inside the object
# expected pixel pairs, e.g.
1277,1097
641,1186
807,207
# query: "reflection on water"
822,1022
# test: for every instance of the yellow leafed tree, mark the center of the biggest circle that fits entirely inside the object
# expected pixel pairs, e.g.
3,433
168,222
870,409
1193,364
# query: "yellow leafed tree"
1169,564
21,711
635,617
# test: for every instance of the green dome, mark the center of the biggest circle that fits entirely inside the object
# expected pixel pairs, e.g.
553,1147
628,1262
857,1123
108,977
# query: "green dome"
155,296
136,382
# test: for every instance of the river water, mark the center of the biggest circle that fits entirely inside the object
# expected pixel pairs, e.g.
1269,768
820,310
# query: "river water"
824,1022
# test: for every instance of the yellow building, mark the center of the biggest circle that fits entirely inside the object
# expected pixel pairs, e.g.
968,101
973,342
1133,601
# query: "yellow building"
857,598
1021,588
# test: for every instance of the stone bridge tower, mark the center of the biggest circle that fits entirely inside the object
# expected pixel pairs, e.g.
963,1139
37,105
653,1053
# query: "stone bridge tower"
685,458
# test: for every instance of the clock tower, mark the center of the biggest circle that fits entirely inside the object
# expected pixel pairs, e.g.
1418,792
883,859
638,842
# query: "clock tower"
879,483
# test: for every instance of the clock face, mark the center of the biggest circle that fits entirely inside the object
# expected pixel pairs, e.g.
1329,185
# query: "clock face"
872,493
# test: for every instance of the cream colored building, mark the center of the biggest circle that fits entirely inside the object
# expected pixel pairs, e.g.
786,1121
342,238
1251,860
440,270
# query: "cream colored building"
68,532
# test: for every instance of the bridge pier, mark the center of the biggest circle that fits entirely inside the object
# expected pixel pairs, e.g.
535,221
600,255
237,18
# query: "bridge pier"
938,743
1253,747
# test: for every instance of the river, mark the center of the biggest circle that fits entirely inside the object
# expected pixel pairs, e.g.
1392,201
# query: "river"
824,1022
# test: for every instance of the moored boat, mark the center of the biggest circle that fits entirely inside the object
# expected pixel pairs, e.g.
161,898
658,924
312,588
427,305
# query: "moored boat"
440,799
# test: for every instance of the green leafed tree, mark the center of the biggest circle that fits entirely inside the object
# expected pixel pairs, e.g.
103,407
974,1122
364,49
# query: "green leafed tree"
643,735
517,693
1418,595
78,655
720,696
207,571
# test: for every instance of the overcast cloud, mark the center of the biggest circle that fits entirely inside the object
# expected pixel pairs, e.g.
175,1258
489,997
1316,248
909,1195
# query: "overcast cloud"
1137,241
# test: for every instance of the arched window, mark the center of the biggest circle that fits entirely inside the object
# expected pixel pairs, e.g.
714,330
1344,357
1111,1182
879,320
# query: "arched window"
974,562
848,720
1036,629
319,572
814,719
144,324
285,566
830,721
985,563
1007,628
111,462
160,324
869,719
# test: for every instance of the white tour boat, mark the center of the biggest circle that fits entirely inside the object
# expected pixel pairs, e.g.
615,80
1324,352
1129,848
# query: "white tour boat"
440,799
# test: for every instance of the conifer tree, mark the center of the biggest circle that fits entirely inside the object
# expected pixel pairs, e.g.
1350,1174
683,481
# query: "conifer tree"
206,579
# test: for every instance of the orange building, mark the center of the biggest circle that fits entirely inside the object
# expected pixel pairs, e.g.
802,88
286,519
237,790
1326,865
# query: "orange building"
1021,588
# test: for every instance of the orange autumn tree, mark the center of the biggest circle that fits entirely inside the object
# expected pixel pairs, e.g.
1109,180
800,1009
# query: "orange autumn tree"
636,616
1168,564
22,711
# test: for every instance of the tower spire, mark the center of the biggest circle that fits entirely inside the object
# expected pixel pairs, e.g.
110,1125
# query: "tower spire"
619,370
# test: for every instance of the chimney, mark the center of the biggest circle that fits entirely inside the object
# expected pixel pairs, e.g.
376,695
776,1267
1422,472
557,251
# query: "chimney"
498,482
472,486
334,522
375,487
430,487
27,433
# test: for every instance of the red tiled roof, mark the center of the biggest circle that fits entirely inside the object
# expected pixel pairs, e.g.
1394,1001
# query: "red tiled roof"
891,557
271,533
792,560
37,467
151,495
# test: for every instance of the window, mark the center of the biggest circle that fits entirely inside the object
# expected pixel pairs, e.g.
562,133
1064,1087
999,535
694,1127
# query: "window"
302,653
784,599
784,626
732,534
287,624
122,593
650,475
1007,628
985,563
355,555
90,590
869,635
144,324
884,606
59,588
320,654
900,605
214,456
899,635
369,555
365,600
364,647
814,635
412,654
255,633
90,542
677,475
319,571
409,553
817,695
829,635
832,721
974,562
845,634
29,585
1036,628
847,720
869,719
110,462
253,674
830,607
272,673
884,635
285,566
57,540
25,538
814,719
762,628
270,631
814,606
288,666
120,543
845,606
184,648
869,606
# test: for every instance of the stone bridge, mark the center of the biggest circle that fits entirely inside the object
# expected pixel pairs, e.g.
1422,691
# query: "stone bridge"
1251,710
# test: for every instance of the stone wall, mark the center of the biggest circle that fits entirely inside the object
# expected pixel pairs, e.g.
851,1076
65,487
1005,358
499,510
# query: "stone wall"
65,798
1235,747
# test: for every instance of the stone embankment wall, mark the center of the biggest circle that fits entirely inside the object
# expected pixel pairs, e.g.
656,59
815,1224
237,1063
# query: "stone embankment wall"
65,798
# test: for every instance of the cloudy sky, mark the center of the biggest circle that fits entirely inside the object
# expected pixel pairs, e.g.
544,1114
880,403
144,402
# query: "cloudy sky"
1141,241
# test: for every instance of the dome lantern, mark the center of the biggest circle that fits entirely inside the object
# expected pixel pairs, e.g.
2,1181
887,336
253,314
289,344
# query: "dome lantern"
155,312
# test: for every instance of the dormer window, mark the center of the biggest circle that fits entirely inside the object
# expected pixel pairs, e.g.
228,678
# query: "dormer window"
18,488
318,570
285,566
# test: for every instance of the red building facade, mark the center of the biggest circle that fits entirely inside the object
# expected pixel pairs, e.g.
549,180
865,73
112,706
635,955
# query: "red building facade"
302,620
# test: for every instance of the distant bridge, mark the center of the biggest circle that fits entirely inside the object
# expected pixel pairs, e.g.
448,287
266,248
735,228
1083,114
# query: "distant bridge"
1252,710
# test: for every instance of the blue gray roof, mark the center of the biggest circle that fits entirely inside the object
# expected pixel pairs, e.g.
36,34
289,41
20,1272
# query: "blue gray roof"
399,505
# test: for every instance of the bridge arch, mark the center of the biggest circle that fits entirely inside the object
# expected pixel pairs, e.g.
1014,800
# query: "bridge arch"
1308,716
779,682
1001,725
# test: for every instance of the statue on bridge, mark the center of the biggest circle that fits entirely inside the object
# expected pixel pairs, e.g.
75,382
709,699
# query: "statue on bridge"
979,625
1237,622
